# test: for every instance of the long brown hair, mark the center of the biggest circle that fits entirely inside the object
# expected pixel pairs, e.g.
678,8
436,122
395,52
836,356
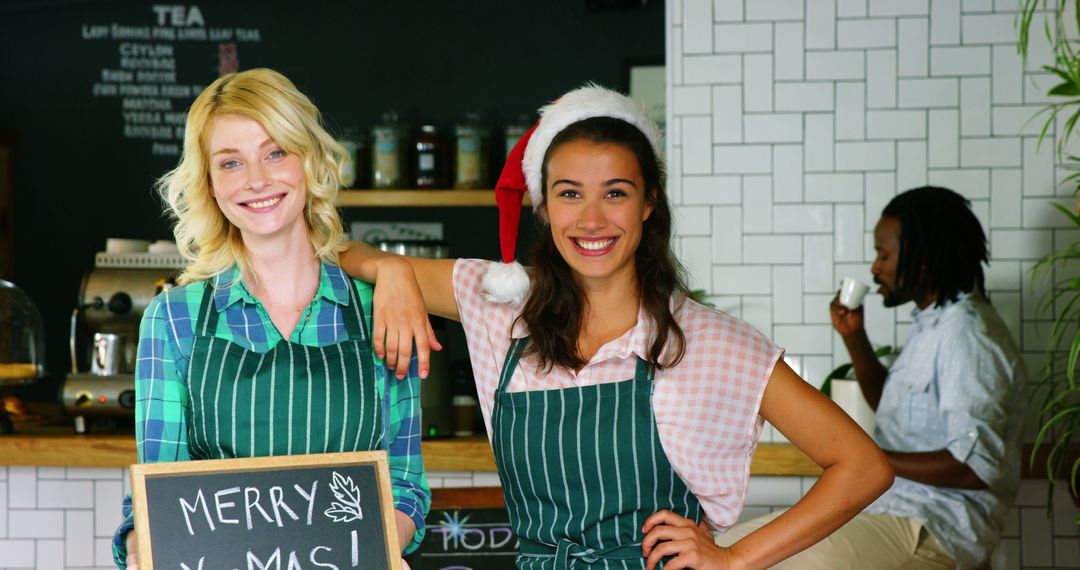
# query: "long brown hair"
555,307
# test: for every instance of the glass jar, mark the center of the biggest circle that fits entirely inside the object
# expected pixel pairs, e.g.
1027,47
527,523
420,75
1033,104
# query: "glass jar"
350,140
470,164
22,337
513,133
386,157
429,161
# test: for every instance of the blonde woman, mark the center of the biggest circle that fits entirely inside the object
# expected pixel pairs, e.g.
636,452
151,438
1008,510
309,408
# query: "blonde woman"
253,203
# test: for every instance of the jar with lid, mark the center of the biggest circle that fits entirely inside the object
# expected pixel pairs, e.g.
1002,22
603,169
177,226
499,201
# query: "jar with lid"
387,158
470,158
429,168
514,131
350,140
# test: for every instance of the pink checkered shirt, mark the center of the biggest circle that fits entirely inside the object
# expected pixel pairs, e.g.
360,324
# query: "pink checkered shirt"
706,408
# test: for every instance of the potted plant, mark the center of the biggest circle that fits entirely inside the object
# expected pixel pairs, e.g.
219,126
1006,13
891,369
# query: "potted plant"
1057,392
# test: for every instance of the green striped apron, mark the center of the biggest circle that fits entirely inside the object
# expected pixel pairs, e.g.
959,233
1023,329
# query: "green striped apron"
581,469
292,400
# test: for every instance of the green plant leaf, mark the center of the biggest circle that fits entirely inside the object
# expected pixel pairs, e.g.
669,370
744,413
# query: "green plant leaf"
699,296
1054,457
1071,214
1066,88
1062,73
838,372
1023,24
1058,398
1046,126
1073,479
1069,127
1067,315
843,370
1061,415
1074,352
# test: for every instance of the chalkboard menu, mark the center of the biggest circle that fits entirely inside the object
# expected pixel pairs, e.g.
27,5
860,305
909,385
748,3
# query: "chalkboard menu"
331,510
144,76
466,539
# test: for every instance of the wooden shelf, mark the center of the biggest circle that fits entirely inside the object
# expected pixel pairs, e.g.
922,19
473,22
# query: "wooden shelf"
417,198
470,454
70,450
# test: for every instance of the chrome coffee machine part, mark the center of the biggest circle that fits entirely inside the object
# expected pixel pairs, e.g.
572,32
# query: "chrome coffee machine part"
108,355
112,301
103,339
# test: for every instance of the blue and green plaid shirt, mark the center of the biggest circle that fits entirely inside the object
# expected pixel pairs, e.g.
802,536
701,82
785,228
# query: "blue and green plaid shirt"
165,341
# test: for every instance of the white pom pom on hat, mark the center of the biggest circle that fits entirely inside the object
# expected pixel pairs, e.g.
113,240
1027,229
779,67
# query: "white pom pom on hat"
507,282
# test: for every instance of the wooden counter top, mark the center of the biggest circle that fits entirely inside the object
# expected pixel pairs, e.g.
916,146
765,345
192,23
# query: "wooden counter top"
472,454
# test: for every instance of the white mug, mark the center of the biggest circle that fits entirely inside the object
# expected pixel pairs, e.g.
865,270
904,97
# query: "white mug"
852,293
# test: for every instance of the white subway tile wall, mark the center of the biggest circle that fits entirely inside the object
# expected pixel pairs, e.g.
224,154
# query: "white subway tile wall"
859,100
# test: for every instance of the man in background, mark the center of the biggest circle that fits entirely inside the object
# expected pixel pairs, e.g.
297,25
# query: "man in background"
950,410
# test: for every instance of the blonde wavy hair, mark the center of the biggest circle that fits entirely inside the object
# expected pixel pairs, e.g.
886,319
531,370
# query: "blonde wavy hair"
204,235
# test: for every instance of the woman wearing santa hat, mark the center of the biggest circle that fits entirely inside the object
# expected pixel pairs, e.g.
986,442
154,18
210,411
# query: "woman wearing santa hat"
622,414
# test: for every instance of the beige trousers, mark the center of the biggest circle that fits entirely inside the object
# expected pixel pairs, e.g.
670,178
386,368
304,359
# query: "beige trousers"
866,542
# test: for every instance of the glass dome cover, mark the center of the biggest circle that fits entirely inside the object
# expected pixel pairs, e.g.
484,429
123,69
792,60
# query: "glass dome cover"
22,337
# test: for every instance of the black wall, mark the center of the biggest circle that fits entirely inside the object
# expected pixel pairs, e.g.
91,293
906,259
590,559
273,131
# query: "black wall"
78,180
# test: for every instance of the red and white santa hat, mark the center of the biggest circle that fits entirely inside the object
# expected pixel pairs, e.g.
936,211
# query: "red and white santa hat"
507,282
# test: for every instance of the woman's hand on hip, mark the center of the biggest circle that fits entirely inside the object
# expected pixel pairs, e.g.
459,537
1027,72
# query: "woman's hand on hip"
400,319
691,544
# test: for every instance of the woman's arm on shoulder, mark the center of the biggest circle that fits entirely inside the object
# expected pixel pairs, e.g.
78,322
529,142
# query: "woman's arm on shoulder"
406,290
855,470
434,278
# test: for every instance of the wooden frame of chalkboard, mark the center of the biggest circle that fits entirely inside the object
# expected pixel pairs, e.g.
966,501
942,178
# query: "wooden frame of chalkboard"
370,468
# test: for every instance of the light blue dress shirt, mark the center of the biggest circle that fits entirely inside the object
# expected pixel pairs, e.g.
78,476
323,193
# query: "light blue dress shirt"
958,384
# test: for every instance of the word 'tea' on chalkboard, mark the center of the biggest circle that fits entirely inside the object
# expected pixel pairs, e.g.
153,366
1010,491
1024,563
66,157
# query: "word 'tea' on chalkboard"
331,511
467,539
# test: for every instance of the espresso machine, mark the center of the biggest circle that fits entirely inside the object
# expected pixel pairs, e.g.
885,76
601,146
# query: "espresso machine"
99,392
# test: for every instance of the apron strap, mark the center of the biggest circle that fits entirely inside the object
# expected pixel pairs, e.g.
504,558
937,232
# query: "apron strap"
567,553
517,347
354,313
644,372
208,314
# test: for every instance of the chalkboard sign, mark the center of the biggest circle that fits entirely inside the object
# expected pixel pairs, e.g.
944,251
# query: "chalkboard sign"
333,510
466,539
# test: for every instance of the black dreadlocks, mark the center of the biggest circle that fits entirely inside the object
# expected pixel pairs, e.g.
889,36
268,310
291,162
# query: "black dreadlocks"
942,244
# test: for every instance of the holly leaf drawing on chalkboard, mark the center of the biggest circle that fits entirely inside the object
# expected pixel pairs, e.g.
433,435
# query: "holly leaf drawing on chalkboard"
347,506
